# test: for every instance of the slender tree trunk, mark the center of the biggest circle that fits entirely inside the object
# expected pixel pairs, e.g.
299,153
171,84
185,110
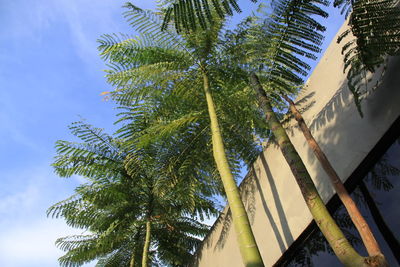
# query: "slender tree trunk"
146,246
247,244
360,223
132,262
387,234
335,237
134,250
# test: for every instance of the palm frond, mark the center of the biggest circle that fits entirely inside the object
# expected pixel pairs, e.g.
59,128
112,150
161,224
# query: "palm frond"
127,186
280,45
150,23
375,29
186,15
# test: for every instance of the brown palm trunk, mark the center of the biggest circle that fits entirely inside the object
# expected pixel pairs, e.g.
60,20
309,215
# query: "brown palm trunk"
360,223
335,237
387,234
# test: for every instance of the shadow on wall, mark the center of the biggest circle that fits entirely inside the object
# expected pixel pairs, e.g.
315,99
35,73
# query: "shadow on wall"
247,191
341,110
338,110
328,112
341,107
249,187
304,103
287,235
226,226
378,107
372,104
274,227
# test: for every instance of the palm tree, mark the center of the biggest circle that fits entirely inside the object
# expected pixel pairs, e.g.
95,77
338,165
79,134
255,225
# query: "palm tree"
369,33
130,205
289,36
170,62
374,25
273,49
351,207
293,78
335,237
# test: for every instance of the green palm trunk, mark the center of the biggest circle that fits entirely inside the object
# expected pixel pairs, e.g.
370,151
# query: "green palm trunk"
146,246
248,248
335,237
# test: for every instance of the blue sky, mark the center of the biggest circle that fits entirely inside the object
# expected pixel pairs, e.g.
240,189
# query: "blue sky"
50,73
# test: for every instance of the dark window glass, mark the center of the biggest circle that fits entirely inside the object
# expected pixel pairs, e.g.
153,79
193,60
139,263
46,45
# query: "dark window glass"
378,197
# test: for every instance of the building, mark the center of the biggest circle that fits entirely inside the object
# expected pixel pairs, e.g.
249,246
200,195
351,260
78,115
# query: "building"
362,150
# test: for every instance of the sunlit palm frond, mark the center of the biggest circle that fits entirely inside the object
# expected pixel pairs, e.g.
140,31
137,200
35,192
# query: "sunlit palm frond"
188,15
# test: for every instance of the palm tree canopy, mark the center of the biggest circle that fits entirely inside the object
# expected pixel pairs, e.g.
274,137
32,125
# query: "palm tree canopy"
166,74
278,46
126,186
374,25
199,82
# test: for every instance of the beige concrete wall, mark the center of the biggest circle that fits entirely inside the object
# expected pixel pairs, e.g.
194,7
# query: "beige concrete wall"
276,208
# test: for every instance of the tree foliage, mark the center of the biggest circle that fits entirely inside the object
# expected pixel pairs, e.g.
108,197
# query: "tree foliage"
187,15
168,75
375,35
278,45
203,90
126,187
158,167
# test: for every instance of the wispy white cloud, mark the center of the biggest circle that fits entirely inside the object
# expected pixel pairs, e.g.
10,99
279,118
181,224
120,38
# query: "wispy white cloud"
24,200
32,243
82,24
87,21
27,236
10,131
26,20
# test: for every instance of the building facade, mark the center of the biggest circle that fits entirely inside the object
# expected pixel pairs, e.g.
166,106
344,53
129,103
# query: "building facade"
365,152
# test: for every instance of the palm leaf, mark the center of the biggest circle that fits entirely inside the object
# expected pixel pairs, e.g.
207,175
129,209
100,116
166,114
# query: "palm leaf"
374,26
188,14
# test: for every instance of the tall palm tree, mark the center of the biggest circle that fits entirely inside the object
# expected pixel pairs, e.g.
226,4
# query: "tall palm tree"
273,49
335,237
130,205
307,34
170,62
350,205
